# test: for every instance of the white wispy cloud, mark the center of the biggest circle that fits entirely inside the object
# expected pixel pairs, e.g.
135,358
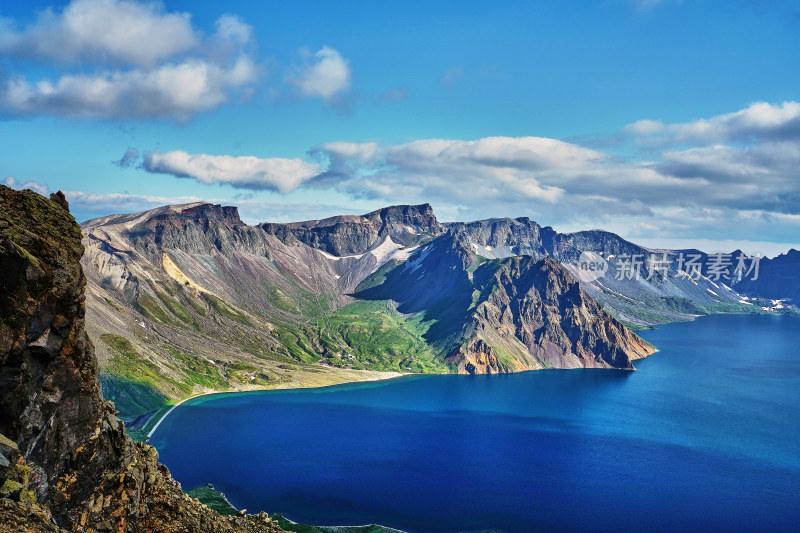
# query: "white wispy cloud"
123,59
245,172
397,94
760,120
324,74
11,181
452,76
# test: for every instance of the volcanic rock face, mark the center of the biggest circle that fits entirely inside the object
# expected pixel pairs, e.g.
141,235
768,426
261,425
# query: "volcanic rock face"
67,452
503,237
645,298
347,235
505,315
778,278
535,315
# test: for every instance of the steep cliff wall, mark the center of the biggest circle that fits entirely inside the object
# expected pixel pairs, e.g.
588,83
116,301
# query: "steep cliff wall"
64,451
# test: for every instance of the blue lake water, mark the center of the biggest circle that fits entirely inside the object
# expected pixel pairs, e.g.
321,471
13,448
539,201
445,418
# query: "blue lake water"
703,437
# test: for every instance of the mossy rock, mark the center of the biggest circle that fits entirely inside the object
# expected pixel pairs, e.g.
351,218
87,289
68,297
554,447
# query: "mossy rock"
7,445
10,488
22,472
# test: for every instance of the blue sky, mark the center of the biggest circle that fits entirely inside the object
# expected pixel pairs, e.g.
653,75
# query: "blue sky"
669,122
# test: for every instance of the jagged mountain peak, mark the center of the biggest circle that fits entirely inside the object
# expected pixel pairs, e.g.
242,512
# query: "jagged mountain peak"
406,225
193,210
404,212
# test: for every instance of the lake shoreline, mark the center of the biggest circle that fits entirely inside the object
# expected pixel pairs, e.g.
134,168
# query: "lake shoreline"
374,376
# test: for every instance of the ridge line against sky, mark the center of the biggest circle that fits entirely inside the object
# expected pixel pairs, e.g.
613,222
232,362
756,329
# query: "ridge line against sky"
668,122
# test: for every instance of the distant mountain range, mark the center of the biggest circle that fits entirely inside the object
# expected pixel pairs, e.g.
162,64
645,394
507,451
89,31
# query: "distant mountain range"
183,299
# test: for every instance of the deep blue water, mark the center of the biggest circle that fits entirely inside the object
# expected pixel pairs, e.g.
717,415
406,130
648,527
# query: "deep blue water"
703,437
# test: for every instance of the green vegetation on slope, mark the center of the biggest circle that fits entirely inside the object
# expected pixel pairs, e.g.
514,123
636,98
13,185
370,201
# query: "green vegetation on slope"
374,335
131,398
214,499
226,310
127,364
140,389
199,371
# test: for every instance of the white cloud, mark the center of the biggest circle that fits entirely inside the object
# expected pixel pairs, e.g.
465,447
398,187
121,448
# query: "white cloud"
176,91
325,74
42,189
111,31
123,59
553,181
246,172
231,28
489,169
757,121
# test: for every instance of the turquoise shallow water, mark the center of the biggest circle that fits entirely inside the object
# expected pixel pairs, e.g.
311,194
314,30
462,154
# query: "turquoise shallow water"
703,437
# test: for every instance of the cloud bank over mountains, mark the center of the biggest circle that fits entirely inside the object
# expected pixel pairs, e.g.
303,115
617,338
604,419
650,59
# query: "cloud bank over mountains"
758,171
740,168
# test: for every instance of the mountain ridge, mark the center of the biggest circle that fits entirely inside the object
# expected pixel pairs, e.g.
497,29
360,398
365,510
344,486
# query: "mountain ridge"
199,301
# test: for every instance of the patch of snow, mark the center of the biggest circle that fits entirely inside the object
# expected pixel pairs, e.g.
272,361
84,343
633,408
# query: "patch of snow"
404,253
385,249
415,263
712,292
337,258
337,276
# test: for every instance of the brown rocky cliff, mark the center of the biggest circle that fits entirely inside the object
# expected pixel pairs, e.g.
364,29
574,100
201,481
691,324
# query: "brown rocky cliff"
77,461
533,314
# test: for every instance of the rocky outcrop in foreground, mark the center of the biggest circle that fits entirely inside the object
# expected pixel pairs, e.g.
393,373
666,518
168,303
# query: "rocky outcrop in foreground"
66,463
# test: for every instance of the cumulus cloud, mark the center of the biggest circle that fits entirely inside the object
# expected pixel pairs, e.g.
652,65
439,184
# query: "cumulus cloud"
324,74
123,59
231,28
245,172
176,91
112,31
